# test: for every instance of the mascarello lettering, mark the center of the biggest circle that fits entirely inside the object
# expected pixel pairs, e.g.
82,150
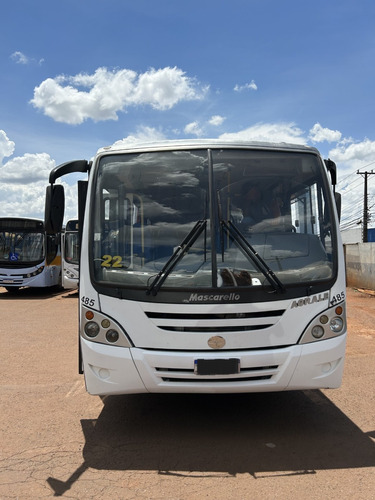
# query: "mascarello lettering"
229,297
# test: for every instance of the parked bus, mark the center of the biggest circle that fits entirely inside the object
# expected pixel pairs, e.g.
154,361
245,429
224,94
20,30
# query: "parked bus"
28,256
183,290
70,254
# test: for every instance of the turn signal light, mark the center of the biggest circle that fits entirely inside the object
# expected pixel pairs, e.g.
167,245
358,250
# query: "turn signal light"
89,315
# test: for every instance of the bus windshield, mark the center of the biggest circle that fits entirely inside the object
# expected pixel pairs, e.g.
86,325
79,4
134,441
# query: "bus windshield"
71,248
211,218
21,246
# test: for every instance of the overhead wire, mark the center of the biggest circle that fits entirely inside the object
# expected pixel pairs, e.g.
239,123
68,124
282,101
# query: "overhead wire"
353,218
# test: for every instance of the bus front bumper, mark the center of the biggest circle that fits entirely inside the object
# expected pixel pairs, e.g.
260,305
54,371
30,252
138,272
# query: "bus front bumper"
117,370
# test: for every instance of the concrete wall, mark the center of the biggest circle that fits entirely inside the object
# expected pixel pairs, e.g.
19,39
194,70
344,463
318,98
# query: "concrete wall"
351,235
360,265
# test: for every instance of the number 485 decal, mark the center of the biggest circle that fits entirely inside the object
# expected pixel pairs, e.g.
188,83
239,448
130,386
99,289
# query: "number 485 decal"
337,298
88,302
112,261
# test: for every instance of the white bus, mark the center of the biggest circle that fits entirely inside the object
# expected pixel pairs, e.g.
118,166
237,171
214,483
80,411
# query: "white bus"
28,256
181,290
70,254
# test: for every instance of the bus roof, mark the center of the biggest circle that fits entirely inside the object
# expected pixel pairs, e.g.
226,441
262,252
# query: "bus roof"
14,218
21,223
123,147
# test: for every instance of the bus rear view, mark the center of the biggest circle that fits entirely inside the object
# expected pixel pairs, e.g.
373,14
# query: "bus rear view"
210,267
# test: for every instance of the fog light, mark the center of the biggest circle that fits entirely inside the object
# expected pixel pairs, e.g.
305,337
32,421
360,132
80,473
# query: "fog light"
317,331
336,325
104,373
92,329
326,368
112,336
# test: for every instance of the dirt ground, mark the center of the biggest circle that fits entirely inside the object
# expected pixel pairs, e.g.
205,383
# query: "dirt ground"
58,441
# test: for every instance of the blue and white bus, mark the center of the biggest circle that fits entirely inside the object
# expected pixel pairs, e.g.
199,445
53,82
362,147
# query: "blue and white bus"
208,267
28,256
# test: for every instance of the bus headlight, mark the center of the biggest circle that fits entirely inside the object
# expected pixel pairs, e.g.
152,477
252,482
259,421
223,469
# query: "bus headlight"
317,331
328,324
102,329
112,336
92,329
336,324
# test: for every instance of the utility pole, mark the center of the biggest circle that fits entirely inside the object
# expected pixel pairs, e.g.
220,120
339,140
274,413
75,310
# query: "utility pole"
365,205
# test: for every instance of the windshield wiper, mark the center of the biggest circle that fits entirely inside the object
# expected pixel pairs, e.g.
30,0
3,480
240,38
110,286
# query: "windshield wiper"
253,255
177,255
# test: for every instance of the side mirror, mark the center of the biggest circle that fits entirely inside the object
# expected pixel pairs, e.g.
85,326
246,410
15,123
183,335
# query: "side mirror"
331,167
54,208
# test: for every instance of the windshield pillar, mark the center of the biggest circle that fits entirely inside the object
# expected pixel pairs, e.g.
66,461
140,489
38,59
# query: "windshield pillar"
213,217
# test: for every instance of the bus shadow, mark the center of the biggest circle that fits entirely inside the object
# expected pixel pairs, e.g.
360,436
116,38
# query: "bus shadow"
259,434
35,293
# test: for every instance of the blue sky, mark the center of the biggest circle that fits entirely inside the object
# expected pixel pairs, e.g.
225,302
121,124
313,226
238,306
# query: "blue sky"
79,75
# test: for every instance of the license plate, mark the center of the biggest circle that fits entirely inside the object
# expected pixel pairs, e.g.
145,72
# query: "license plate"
229,366
8,281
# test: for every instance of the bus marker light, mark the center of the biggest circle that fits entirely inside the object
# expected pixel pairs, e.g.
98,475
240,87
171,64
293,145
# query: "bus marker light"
339,310
106,323
324,319
89,315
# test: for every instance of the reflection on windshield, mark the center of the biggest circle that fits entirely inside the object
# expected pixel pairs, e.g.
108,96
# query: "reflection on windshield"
21,247
148,204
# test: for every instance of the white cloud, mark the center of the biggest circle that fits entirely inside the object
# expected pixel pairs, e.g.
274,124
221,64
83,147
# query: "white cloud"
269,132
18,200
354,155
21,201
143,135
164,88
193,128
216,120
27,169
199,130
102,95
247,86
351,157
320,134
20,58
23,181
6,146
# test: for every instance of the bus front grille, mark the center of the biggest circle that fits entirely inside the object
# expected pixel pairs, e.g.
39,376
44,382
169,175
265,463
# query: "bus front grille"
179,375
5,281
214,322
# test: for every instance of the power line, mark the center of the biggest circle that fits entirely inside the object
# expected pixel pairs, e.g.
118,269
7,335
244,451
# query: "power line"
355,172
366,215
